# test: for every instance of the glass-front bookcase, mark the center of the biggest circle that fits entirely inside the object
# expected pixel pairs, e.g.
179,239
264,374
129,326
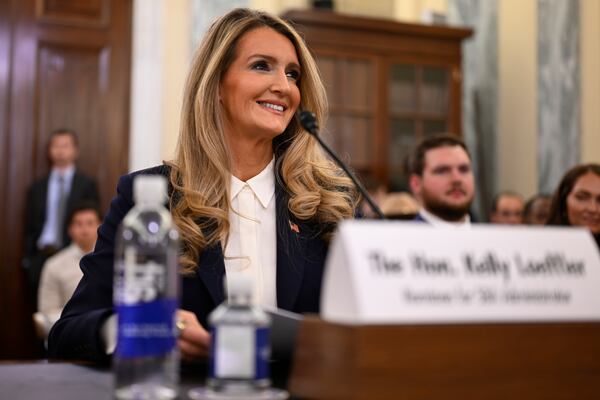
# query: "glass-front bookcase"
389,85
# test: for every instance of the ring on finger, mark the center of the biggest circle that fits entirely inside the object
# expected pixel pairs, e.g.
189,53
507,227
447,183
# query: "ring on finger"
180,324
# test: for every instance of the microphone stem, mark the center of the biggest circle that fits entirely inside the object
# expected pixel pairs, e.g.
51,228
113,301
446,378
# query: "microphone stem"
358,185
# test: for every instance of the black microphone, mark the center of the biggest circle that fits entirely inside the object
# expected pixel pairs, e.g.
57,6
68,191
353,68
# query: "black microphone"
308,120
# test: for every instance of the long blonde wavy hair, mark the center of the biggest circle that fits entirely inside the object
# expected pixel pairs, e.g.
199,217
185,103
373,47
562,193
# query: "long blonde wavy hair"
201,171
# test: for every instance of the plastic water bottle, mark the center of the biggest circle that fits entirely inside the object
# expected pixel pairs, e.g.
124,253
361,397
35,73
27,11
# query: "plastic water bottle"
146,360
240,345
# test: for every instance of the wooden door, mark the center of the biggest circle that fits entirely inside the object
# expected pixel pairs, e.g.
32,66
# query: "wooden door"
63,63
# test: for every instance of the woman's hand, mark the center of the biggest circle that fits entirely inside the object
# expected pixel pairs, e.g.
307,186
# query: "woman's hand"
193,340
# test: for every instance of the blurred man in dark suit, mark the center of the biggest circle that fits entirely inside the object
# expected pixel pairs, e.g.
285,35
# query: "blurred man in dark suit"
442,181
49,201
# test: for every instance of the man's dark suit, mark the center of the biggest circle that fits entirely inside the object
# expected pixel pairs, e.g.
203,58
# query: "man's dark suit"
82,189
300,259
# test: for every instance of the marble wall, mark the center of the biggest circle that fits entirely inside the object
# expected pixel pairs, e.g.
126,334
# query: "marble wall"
480,91
558,90
147,63
205,11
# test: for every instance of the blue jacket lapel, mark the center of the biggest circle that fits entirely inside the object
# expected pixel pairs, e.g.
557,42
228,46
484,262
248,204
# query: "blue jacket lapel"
290,253
211,269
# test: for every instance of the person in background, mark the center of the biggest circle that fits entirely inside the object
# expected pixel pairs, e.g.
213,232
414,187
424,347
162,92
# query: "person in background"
61,272
49,200
537,210
251,191
442,181
377,191
399,205
507,208
576,201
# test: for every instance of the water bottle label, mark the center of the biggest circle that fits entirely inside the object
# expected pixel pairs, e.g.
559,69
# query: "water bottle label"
140,282
146,329
263,353
240,352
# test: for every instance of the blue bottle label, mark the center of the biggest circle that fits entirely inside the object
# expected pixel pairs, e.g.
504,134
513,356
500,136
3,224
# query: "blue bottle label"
146,329
263,353
239,352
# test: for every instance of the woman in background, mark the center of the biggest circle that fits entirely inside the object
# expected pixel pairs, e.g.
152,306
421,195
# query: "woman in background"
577,199
250,191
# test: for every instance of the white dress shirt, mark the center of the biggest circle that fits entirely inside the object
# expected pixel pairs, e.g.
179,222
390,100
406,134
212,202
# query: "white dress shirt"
51,225
438,222
60,276
252,245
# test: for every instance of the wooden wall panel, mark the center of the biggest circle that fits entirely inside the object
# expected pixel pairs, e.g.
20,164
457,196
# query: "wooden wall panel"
5,50
91,13
16,338
70,93
62,64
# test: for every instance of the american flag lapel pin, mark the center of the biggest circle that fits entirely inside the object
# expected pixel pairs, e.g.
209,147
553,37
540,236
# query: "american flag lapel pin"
294,227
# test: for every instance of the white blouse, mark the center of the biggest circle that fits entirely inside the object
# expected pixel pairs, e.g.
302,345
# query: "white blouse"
252,245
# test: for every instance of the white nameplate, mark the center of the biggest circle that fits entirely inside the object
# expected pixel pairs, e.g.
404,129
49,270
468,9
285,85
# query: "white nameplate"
384,272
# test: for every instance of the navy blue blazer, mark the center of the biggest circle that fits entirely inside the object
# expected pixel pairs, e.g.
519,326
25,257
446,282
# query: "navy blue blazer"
301,256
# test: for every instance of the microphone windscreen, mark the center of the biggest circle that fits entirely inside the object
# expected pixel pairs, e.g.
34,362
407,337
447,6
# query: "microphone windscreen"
308,120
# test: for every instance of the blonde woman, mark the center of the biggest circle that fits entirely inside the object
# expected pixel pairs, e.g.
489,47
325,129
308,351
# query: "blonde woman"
251,192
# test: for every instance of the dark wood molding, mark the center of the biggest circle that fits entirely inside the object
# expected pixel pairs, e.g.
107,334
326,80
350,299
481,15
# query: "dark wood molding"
439,361
83,14
362,25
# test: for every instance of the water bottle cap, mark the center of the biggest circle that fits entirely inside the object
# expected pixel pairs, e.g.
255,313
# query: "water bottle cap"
150,189
239,285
